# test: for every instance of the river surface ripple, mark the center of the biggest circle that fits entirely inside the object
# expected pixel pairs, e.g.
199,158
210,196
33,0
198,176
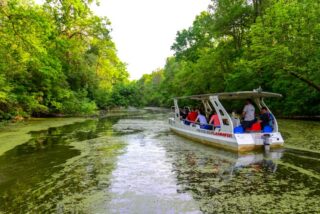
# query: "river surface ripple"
134,164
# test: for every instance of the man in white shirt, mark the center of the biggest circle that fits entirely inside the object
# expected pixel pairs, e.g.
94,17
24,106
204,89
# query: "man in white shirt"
248,114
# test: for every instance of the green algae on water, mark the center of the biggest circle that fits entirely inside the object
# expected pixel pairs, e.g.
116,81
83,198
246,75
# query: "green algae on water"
59,170
301,134
96,166
16,134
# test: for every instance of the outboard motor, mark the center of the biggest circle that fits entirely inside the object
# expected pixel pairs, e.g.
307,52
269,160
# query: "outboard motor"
266,142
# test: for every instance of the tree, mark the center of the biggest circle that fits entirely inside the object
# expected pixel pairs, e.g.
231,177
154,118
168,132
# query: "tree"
56,58
244,44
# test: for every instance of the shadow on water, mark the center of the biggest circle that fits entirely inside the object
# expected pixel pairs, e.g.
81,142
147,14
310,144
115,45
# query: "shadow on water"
55,164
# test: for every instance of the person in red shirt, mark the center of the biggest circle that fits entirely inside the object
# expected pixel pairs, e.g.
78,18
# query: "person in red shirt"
192,116
215,120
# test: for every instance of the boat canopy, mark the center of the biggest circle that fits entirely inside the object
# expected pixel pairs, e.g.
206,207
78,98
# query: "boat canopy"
233,95
213,100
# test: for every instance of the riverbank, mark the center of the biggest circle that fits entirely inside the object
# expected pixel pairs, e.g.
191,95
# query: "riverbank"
13,134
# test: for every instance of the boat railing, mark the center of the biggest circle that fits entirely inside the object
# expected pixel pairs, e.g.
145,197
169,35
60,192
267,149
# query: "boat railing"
193,123
208,127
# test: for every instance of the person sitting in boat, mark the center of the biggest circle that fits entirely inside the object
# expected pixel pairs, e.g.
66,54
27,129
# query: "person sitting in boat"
192,116
186,112
235,118
183,114
264,118
248,115
215,120
201,118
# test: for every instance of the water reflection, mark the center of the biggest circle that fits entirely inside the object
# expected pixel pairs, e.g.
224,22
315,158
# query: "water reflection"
223,182
59,169
134,164
143,181
161,172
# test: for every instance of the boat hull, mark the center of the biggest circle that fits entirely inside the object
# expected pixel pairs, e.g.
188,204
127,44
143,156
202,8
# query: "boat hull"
234,142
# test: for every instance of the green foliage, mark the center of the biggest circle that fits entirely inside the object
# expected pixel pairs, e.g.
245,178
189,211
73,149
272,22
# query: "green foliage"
149,86
55,58
241,45
59,57
76,105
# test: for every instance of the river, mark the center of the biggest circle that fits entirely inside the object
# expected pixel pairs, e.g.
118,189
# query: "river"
132,163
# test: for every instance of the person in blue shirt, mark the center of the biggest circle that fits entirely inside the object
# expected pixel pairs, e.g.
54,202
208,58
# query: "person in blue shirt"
264,118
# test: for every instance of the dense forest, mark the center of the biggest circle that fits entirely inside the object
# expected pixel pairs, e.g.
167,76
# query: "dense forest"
59,57
241,45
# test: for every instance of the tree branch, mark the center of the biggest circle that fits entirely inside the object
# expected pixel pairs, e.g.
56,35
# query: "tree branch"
303,79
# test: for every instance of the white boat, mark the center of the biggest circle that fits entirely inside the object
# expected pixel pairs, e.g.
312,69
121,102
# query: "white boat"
227,136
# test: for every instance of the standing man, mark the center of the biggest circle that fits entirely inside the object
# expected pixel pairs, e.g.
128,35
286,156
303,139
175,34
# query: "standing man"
248,115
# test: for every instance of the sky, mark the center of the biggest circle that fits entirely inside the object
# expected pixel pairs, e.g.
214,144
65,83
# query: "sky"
144,30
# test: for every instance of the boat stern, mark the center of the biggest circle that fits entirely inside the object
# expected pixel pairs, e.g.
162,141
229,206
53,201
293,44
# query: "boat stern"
252,141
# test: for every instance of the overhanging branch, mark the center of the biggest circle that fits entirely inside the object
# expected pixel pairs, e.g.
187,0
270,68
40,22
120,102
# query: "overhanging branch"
303,79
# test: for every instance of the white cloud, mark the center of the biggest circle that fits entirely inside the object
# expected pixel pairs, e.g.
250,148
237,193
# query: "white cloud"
144,30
